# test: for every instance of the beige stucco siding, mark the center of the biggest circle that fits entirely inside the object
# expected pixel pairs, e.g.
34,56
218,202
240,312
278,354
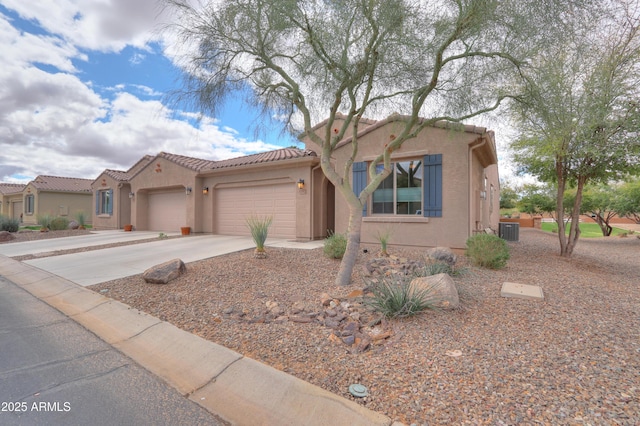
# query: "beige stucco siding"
452,229
121,204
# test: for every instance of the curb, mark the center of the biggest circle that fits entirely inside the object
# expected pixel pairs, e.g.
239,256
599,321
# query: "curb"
238,389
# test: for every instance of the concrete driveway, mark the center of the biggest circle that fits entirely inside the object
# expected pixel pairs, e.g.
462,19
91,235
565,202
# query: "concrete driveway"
96,266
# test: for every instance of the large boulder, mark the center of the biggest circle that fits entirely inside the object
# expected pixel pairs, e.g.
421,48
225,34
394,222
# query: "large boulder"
165,272
442,254
440,289
6,236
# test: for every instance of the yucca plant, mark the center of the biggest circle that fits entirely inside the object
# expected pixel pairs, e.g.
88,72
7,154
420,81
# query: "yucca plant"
259,227
383,239
81,219
394,297
44,221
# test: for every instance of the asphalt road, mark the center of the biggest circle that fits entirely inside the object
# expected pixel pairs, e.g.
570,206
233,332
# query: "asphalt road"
55,372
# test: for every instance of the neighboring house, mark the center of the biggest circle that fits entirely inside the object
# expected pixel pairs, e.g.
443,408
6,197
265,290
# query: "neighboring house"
11,199
55,196
169,191
112,196
444,188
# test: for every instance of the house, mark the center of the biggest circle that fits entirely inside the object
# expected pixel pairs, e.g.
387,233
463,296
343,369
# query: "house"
52,195
168,191
11,199
444,188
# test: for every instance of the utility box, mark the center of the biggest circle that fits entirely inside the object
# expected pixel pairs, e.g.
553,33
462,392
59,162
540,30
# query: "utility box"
509,231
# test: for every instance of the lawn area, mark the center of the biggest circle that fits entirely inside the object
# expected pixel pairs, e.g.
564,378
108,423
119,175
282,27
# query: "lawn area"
587,230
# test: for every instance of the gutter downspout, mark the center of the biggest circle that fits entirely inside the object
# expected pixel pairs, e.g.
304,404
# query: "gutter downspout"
471,227
312,203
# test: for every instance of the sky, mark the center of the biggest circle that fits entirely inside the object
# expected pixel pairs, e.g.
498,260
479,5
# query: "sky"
84,85
83,88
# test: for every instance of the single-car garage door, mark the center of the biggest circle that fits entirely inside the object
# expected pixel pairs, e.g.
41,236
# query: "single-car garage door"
234,205
167,210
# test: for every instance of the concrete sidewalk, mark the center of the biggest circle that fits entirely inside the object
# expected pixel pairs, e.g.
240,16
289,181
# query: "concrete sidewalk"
96,266
238,389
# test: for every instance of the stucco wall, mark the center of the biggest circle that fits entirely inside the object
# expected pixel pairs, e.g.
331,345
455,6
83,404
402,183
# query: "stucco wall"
62,204
453,228
288,172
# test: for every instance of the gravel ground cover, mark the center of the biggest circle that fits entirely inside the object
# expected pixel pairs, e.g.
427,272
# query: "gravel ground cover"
573,358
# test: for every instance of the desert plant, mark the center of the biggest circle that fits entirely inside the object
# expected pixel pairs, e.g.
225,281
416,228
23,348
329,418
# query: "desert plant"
383,239
59,224
44,221
488,251
81,218
434,268
259,227
162,236
335,245
394,297
9,224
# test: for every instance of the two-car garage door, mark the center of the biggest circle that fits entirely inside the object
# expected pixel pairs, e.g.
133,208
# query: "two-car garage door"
233,206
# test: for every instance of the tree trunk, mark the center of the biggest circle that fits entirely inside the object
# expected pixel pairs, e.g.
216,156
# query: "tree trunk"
353,246
574,231
560,211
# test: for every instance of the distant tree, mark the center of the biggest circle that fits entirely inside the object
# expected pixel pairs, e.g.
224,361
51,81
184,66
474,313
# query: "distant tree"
536,199
580,118
312,60
628,201
600,202
508,197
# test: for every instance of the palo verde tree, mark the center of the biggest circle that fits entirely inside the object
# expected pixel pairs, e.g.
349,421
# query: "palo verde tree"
580,117
311,60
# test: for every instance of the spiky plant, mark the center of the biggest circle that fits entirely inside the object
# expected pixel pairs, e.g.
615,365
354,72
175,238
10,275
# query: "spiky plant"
259,227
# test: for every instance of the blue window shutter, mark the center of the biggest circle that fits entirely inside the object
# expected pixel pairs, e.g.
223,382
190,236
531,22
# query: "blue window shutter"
360,181
97,202
110,202
432,185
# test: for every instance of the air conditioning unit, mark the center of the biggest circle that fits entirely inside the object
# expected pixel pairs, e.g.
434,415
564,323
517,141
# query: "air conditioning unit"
509,231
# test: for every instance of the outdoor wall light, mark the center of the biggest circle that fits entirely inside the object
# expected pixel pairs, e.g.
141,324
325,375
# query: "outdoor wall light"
188,191
205,190
131,194
483,195
301,184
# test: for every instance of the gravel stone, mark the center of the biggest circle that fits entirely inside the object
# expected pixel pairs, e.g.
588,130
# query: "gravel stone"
573,358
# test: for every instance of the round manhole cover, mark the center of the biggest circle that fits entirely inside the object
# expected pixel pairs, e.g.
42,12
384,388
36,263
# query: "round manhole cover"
358,390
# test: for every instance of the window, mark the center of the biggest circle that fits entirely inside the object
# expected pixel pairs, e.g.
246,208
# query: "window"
104,201
401,191
29,204
414,187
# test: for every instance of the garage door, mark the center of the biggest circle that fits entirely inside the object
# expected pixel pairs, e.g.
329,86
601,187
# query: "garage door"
167,210
234,205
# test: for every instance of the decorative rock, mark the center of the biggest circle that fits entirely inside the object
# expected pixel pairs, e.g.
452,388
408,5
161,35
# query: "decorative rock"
441,289
73,225
349,340
442,254
325,299
165,272
6,236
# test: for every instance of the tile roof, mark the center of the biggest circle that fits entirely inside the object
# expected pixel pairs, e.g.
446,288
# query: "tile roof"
264,157
11,188
192,163
64,184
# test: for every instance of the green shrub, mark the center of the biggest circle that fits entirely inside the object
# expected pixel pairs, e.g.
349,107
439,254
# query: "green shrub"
383,239
59,224
335,245
259,227
8,224
44,220
488,251
394,297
